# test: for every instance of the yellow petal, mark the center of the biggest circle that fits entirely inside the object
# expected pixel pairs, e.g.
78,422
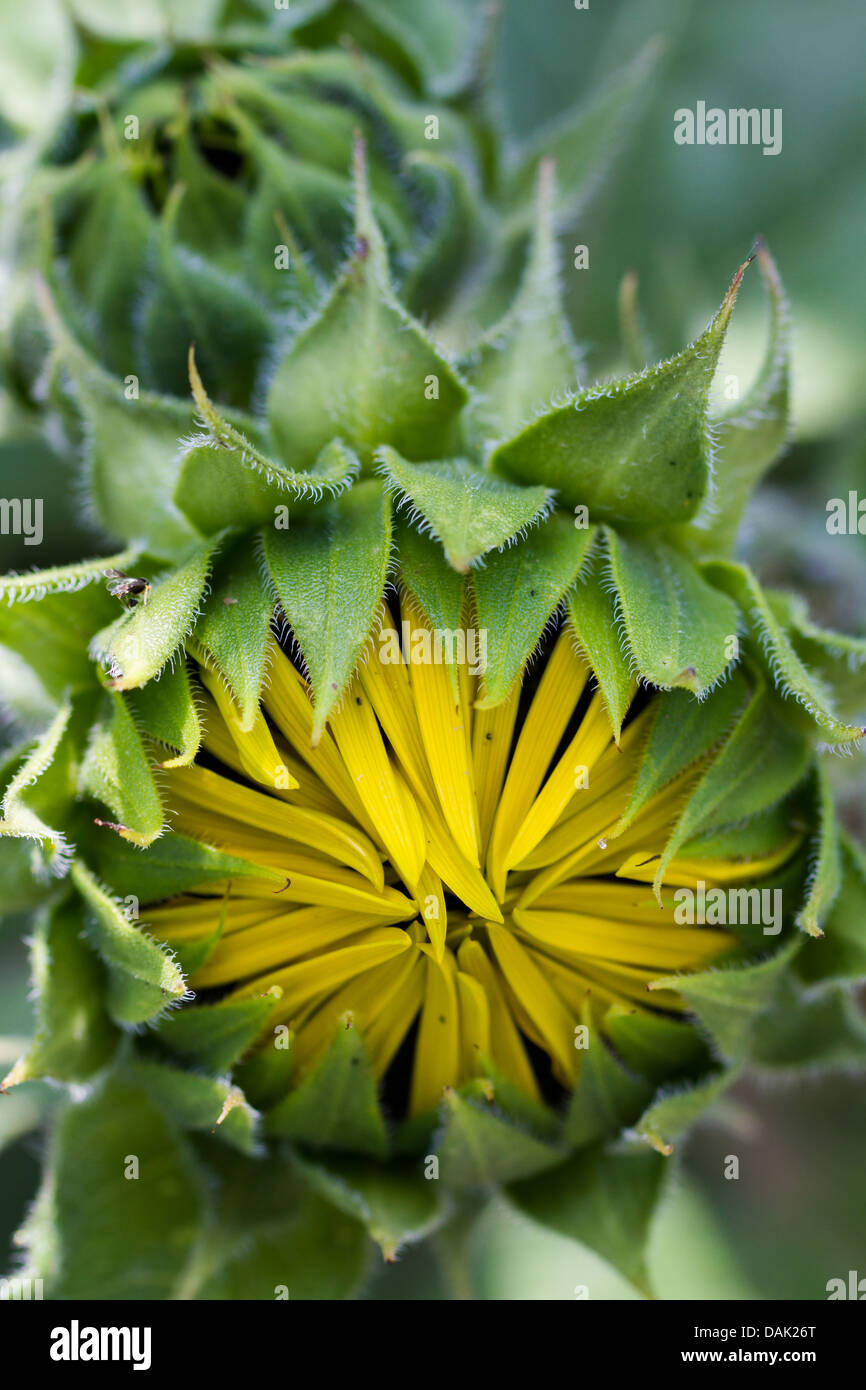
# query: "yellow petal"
564,783
442,718
200,917
377,1001
492,733
474,1026
197,791
387,687
305,881
601,853
574,986
437,1050
358,737
687,873
465,880
558,692
256,751
633,984
278,941
310,979
394,1013
543,1015
605,797
662,947
621,902
431,900
506,1045
304,789
287,701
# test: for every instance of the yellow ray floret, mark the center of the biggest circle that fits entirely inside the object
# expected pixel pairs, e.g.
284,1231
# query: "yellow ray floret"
443,721
256,751
444,877
559,690
359,740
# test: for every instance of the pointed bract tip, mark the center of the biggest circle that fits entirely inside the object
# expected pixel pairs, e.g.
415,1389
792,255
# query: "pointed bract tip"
234,1098
659,1144
546,178
734,286
14,1077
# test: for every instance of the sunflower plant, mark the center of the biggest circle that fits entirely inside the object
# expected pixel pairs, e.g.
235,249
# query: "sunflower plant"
402,789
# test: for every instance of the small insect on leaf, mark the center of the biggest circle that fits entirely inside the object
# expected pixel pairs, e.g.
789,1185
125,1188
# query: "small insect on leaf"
129,590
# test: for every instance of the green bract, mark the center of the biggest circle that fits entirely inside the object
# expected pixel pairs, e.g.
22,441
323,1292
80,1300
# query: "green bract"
300,321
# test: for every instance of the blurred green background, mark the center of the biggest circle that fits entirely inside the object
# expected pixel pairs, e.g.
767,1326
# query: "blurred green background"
683,218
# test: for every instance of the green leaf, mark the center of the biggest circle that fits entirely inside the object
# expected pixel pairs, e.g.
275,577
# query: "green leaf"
529,357
750,839
336,1105
606,1098
57,611
778,656
74,1036
837,659
428,576
39,784
266,1075
107,258
115,771
215,1036
165,709
271,1237
592,621
469,512
827,1030
137,645
441,43
99,1233
143,979
682,729
605,1200
759,763
227,480
62,579
329,575
825,876
292,193
581,143
20,889
198,1102
729,999
172,864
517,593
363,370
396,1204
634,451
234,626
191,955
676,1110
445,256
651,1044
635,344
840,954
479,1147
148,19
752,433
132,453
680,631
209,217
192,301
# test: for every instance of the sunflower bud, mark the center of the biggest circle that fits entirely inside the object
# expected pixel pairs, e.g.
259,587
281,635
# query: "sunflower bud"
419,797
